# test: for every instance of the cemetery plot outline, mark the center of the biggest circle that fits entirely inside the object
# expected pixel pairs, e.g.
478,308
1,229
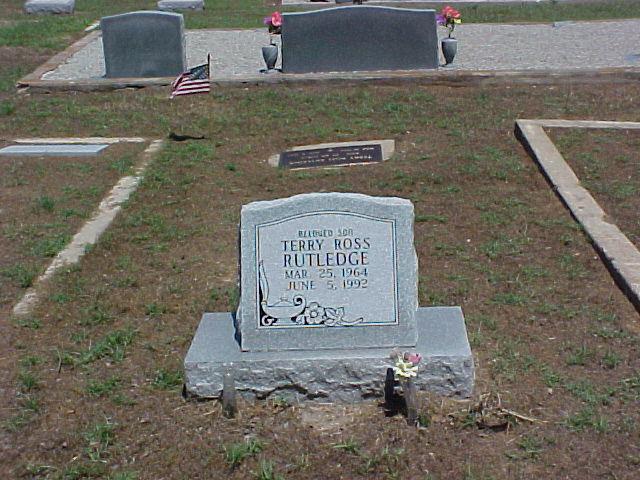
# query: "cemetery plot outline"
302,311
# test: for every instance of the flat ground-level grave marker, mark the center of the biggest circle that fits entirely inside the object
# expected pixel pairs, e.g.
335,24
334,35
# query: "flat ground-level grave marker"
102,217
54,150
620,255
329,287
334,154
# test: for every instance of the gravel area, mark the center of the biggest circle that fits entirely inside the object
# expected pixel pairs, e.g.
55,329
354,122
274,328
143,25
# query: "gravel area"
565,45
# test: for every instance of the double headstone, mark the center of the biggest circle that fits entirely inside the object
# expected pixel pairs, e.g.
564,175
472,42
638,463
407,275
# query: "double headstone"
359,38
329,286
143,44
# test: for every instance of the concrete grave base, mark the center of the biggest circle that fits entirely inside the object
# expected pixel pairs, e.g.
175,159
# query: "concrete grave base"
173,5
345,375
49,6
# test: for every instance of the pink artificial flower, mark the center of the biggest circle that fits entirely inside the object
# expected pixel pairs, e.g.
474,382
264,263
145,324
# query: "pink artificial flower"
414,358
276,19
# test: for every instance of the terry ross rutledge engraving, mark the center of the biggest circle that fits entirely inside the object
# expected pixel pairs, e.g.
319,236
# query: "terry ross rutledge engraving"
356,248
327,276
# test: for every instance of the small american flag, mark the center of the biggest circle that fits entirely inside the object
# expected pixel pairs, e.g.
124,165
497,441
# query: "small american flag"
195,80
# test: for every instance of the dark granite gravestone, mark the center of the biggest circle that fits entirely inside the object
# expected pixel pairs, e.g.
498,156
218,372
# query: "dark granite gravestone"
359,38
328,288
143,44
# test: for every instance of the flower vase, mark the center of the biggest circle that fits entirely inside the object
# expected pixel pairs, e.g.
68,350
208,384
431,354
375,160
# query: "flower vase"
449,49
270,55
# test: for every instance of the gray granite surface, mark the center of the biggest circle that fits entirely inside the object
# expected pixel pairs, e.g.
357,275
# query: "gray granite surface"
49,6
236,54
177,5
143,44
326,271
346,375
359,38
55,150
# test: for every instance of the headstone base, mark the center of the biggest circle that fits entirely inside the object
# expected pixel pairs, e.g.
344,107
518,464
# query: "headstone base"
175,5
346,375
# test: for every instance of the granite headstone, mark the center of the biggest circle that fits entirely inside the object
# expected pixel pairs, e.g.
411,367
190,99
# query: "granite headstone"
328,288
143,44
359,38
313,265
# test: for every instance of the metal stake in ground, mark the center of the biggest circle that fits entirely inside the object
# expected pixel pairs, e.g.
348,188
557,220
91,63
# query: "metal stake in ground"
229,404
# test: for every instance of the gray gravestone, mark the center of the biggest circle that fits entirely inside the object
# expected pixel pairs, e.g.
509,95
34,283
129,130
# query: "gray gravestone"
359,38
49,6
328,289
143,44
327,270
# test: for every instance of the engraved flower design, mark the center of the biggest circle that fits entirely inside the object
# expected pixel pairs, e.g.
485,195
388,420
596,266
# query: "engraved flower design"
315,313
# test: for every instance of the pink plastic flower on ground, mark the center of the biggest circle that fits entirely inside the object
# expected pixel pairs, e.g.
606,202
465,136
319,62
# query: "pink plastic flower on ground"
414,358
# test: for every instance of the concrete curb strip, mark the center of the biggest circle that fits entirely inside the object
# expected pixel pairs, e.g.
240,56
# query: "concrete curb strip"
91,231
619,254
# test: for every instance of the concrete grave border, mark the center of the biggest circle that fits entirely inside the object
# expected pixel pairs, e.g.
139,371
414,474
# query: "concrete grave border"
35,83
102,217
620,256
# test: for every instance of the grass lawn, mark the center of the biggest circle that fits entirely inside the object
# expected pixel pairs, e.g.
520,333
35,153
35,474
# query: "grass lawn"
91,383
607,164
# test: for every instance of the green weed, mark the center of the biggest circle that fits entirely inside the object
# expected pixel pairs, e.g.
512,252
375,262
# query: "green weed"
45,203
50,246
167,380
611,360
95,314
349,446
579,356
266,471
155,309
30,361
82,471
588,393
550,377
97,388
23,275
99,437
236,452
587,418
28,322
28,381
112,346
